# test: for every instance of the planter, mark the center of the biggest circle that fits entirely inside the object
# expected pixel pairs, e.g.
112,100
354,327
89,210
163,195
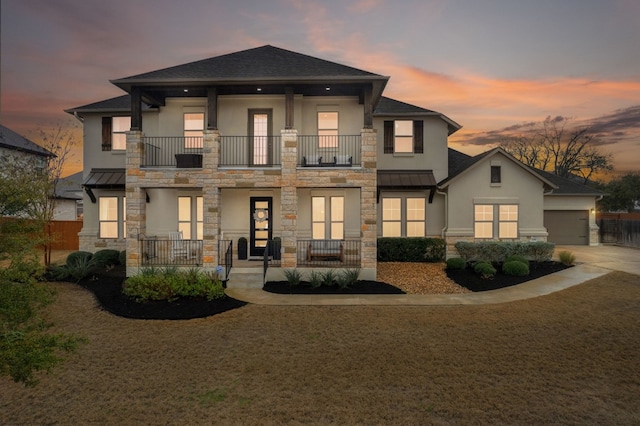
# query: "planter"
242,248
189,161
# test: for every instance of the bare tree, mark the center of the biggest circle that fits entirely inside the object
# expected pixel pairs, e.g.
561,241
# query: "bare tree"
554,146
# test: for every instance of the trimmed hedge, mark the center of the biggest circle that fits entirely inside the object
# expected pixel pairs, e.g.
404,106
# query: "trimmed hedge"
456,263
485,270
499,251
412,249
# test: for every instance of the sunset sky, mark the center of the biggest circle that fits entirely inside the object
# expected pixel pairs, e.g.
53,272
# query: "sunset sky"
490,65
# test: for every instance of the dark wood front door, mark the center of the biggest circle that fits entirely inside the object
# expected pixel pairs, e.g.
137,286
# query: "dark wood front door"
261,220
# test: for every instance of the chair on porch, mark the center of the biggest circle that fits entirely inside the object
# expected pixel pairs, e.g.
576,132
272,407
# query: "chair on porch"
178,247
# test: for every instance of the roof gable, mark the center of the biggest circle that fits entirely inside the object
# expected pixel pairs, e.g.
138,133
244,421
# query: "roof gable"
392,107
11,140
468,164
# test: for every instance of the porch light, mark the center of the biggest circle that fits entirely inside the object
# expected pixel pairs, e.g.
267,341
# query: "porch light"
593,211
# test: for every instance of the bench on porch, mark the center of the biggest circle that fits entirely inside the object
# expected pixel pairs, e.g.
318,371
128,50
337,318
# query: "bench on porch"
325,249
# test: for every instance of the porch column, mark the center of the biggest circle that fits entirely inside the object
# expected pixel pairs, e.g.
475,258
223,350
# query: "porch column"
289,198
136,109
288,107
211,199
212,108
136,201
368,223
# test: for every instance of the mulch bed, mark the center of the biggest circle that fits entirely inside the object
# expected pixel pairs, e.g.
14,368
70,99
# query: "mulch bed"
469,279
107,287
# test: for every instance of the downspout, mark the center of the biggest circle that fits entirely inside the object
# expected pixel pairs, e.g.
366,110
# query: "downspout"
446,212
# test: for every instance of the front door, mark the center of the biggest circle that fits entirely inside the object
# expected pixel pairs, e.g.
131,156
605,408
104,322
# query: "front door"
260,140
261,219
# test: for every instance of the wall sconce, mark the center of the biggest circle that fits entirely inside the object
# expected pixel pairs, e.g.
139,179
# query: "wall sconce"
593,211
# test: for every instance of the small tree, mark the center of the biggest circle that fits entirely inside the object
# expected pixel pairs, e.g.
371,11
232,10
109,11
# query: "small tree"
29,191
623,193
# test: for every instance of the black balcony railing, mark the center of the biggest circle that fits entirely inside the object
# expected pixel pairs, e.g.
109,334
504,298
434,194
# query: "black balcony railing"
332,151
250,151
172,151
329,253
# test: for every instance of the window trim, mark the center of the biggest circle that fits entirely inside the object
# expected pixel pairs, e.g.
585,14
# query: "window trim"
496,221
120,220
496,174
195,223
389,135
328,222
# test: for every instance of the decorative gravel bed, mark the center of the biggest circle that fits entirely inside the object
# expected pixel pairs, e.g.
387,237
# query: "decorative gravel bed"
418,278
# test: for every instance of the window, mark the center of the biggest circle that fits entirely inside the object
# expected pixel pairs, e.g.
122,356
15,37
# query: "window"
391,217
108,207
325,226
121,126
415,217
403,137
485,219
508,217
193,129
124,217
327,129
496,173
403,217
190,217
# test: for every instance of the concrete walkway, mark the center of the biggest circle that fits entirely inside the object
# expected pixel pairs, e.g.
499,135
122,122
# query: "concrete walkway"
591,262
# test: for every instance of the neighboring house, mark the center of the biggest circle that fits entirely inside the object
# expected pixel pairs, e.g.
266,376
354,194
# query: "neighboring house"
69,204
14,147
267,143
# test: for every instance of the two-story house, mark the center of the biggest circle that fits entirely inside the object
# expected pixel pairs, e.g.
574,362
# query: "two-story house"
271,145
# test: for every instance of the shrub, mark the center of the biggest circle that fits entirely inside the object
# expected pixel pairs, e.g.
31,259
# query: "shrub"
516,268
329,277
27,270
293,276
566,258
80,267
541,251
518,258
348,278
74,256
106,257
456,263
315,279
59,272
414,249
485,270
170,284
122,257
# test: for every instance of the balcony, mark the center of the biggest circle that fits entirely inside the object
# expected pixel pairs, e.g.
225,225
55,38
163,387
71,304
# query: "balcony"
329,151
250,151
172,151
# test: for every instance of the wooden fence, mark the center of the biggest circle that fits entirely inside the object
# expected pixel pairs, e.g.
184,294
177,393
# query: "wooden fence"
619,228
65,234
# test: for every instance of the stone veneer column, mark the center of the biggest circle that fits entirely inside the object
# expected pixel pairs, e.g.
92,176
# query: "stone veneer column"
289,198
136,200
368,203
211,199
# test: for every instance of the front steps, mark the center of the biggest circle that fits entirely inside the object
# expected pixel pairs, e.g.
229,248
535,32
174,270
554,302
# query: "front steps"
245,278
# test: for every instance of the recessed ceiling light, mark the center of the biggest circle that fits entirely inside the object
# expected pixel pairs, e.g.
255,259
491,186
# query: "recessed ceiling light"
186,90
327,88
259,89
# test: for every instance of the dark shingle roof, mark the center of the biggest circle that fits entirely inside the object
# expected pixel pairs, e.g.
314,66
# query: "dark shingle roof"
113,105
11,140
457,161
568,186
260,63
392,107
70,187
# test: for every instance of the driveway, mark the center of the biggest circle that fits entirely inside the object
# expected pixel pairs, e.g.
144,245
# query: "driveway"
616,258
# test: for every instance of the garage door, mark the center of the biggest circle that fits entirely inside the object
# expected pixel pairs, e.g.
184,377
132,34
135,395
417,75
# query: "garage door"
567,226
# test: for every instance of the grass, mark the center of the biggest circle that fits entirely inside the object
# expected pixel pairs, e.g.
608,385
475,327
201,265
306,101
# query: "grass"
566,358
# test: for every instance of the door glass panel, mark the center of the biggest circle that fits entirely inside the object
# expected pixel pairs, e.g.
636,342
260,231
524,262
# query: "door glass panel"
262,234
260,138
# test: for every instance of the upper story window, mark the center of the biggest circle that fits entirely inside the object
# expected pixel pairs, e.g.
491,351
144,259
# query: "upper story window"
193,129
114,133
403,137
328,129
496,174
